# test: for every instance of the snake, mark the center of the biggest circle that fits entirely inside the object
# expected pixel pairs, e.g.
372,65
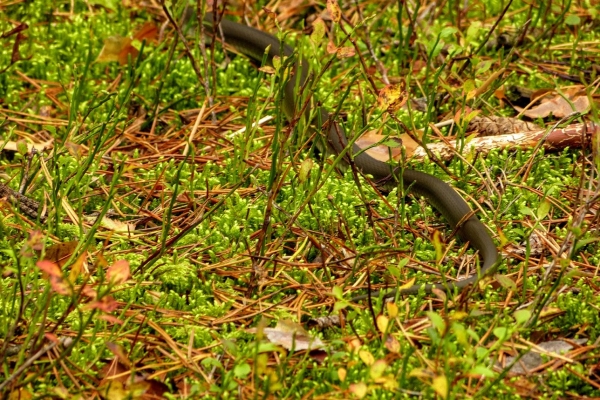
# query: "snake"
255,44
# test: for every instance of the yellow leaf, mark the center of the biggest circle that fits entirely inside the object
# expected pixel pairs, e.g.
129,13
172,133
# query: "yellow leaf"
382,323
392,309
440,385
359,389
366,357
318,31
392,97
420,373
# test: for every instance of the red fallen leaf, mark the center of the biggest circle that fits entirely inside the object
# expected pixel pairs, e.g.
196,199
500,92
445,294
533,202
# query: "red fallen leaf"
49,268
111,319
119,272
106,304
51,337
89,292
60,286
148,32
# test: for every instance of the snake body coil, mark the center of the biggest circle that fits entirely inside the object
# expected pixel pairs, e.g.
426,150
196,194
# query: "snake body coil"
253,43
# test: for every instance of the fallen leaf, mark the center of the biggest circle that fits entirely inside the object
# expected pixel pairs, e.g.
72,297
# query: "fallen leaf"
50,268
117,48
345,52
392,97
377,146
107,304
392,344
532,359
118,273
359,389
148,32
334,10
558,105
60,253
291,335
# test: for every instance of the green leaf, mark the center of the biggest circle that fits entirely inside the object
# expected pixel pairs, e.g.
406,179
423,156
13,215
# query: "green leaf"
501,333
526,211
483,371
109,4
448,31
337,292
473,31
572,20
543,210
395,272
392,143
506,282
437,321
522,316
242,370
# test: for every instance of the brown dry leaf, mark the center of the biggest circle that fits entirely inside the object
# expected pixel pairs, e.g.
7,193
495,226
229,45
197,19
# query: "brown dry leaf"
533,359
392,344
558,105
383,150
331,48
345,52
291,335
334,10
392,97
117,48
117,384
60,253
148,32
